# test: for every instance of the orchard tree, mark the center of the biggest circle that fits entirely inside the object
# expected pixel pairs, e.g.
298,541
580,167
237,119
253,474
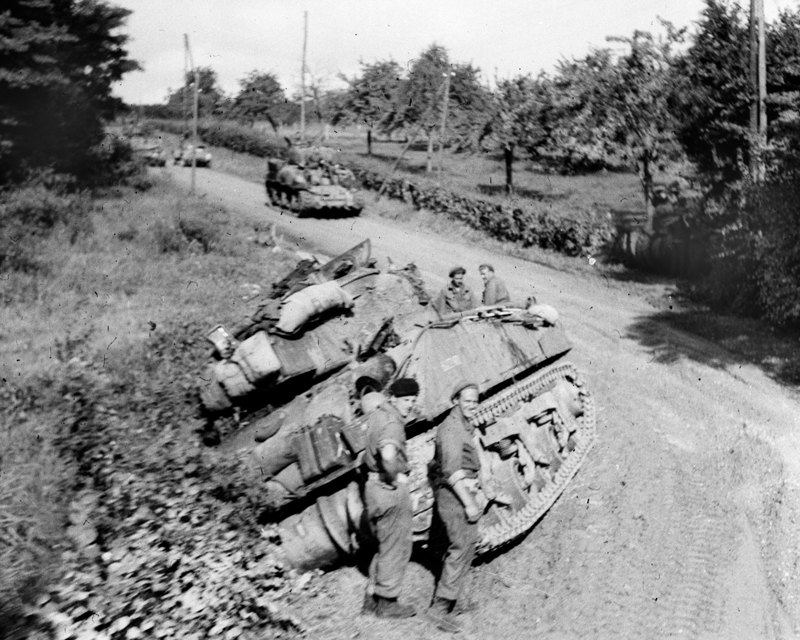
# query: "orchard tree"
576,117
58,62
210,99
371,98
260,97
515,120
420,100
639,118
469,108
711,101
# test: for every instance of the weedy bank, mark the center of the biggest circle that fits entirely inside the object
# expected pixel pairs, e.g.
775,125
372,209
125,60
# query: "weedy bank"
102,323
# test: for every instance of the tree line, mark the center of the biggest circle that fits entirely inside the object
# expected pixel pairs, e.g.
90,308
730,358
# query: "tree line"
640,103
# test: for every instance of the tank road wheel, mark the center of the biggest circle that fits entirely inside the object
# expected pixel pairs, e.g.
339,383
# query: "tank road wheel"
293,204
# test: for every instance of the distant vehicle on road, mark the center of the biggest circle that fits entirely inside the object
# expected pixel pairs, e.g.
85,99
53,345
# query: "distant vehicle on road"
183,156
155,156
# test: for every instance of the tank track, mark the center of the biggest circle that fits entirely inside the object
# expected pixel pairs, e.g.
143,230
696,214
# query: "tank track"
512,527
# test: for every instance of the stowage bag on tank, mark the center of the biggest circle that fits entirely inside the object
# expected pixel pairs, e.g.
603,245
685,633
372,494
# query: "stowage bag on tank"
321,448
257,358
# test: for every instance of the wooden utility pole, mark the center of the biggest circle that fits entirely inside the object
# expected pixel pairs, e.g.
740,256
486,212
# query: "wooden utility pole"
758,90
762,90
195,101
446,100
303,79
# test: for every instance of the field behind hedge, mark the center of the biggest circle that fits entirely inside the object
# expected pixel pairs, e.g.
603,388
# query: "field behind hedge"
574,215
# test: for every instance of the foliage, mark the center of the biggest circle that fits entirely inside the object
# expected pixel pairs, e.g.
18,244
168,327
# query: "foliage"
756,258
231,136
531,224
711,101
31,214
210,99
260,97
59,60
528,225
161,540
33,483
371,97
639,115
515,120
574,115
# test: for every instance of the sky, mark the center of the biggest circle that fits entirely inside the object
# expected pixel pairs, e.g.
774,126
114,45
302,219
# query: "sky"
504,38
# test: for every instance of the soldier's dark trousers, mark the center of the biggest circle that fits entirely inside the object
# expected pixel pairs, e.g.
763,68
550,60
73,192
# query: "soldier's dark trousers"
462,537
390,517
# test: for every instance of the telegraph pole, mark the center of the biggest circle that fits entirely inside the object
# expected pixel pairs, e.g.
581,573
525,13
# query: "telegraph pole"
194,109
303,79
446,100
758,90
762,90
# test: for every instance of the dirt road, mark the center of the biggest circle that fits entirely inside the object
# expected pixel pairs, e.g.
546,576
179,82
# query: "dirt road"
684,522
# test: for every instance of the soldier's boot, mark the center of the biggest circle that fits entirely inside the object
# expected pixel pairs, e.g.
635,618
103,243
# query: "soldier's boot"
391,608
440,613
465,605
370,604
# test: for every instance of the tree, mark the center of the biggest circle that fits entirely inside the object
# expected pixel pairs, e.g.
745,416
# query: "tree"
468,109
575,115
372,98
639,117
58,61
260,97
211,101
420,100
514,120
711,101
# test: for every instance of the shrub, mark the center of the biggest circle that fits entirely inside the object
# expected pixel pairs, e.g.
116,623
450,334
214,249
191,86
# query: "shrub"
168,238
755,259
201,231
31,214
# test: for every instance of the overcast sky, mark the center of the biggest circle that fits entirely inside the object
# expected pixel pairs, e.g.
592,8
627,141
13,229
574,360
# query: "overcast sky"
502,37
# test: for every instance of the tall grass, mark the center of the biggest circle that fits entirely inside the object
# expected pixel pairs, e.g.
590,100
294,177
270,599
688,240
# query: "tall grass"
99,348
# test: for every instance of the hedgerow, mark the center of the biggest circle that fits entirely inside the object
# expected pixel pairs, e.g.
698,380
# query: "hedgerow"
530,224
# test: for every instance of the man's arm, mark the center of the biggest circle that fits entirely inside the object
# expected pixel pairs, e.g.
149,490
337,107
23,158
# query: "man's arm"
392,463
490,293
461,487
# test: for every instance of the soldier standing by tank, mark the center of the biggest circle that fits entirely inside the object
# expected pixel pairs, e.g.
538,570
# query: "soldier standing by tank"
494,289
459,503
456,296
388,501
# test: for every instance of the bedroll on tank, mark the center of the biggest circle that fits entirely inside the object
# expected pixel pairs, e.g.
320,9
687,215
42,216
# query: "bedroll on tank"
300,307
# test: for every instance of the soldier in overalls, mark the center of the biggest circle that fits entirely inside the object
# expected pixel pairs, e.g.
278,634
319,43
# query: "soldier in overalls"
388,501
459,503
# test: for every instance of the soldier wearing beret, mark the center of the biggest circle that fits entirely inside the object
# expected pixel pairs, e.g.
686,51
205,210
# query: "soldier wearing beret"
456,296
388,501
459,502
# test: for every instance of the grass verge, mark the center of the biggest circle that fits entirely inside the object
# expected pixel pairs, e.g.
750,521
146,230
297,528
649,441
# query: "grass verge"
98,355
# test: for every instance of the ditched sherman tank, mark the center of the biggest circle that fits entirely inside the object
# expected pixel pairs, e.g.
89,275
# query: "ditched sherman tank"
311,364
312,182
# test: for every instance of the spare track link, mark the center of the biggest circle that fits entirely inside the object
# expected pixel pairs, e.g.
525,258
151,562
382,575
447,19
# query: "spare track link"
524,519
